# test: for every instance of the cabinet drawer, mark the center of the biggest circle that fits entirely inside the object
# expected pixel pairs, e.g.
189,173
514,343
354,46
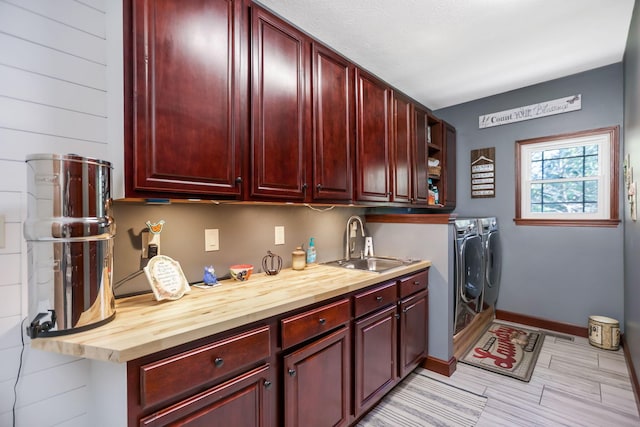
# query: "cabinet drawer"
176,375
414,283
296,329
375,298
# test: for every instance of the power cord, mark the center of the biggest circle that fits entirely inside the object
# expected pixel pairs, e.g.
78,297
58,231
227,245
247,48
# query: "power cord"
15,386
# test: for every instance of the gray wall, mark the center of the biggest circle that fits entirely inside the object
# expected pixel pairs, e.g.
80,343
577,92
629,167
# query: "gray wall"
632,228
563,274
246,233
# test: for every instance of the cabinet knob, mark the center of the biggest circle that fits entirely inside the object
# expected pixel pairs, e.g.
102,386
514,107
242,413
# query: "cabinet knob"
397,316
238,180
319,187
417,283
267,384
218,362
292,372
304,187
378,298
322,320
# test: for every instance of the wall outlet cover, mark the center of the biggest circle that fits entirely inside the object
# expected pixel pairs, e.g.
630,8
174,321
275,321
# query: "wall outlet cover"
211,240
279,235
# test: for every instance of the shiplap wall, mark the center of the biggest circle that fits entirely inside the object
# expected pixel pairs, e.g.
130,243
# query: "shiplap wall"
53,99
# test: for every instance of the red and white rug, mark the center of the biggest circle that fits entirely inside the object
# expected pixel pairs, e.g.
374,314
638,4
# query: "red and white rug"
506,349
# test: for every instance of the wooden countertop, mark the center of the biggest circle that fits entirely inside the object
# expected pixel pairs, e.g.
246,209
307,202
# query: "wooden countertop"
143,326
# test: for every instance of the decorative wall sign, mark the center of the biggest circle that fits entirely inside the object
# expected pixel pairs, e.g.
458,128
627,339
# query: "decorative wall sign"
533,111
166,278
483,173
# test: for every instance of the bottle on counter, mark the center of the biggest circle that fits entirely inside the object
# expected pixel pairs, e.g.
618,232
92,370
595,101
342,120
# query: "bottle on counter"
311,251
297,259
436,196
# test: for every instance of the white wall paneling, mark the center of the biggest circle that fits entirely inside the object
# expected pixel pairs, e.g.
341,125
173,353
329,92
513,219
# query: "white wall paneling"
53,99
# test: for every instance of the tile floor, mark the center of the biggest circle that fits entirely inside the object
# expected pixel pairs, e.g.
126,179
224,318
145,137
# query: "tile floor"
573,384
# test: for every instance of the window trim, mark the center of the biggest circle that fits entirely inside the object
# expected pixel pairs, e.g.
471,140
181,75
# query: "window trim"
614,174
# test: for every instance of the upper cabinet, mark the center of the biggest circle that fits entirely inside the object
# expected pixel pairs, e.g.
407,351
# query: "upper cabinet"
280,106
225,100
373,103
183,91
333,124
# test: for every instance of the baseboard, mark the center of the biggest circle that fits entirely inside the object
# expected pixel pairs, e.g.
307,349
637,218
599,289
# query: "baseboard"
439,366
632,371
566,328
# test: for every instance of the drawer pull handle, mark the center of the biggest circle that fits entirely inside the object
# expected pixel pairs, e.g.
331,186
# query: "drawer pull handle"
378,298
417,283
292,372
267,384
322,320
397,316
218,362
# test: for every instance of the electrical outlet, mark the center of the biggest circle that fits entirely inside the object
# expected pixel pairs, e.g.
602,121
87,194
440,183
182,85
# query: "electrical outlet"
279,235
211,240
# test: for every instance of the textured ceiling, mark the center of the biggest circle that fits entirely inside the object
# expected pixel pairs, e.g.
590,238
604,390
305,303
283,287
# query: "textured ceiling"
446,52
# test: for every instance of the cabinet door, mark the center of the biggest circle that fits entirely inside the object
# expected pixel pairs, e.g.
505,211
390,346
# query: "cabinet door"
402,146
280,113
372,139
247,400
184,58
419,178
333,126
376,350
317,382
414,318
449,144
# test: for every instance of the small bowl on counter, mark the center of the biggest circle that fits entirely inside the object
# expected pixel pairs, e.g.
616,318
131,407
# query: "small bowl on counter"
241,272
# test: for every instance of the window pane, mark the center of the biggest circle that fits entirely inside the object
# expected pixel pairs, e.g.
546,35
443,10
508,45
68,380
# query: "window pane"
591,191
563,152
536,170
559,192
591,149
591,166
536,155
536,193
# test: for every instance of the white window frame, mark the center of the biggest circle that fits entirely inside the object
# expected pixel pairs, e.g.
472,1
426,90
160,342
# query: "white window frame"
607,178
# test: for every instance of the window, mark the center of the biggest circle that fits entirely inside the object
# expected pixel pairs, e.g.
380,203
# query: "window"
569,179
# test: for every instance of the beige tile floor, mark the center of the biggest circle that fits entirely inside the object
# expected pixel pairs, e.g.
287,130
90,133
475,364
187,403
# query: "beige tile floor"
573,384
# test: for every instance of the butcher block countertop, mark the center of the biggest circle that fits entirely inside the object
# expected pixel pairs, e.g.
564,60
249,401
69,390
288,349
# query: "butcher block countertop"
143,326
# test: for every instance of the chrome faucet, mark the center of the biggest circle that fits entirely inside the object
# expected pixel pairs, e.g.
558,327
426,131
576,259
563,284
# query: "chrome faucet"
352,222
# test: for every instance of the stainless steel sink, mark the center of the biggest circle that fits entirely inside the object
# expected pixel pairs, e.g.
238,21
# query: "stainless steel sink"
375,264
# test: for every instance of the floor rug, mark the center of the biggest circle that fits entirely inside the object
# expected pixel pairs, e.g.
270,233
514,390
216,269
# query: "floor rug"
419,401
506,349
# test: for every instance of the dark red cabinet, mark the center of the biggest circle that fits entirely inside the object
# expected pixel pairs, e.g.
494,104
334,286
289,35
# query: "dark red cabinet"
375,352
333,125
414,320
317,384
449,142
184,87
280,108
402,144
373,103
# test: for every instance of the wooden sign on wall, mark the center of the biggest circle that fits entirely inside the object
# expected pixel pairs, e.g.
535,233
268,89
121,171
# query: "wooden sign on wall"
483,173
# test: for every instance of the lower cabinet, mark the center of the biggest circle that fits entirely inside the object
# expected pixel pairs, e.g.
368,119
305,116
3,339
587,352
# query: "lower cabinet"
326,365
317,382
375,352
414,318
247,400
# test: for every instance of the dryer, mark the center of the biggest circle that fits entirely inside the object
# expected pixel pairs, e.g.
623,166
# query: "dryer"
491,260
468,273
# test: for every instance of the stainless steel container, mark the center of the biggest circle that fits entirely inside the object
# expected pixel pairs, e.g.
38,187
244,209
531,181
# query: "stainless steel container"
69,232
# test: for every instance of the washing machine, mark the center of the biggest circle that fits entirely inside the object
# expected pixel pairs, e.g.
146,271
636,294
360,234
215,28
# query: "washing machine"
468,273
491,260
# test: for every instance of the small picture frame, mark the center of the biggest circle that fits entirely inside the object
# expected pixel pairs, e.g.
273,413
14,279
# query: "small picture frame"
166,278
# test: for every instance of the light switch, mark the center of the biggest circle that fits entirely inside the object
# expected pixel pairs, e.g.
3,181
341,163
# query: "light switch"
211,240
279,238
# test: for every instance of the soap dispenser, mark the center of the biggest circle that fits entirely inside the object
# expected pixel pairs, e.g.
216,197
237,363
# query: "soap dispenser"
311,251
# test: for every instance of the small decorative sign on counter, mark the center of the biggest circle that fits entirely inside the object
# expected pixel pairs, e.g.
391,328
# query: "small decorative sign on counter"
166,278
533,111
483,173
